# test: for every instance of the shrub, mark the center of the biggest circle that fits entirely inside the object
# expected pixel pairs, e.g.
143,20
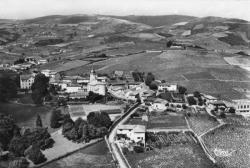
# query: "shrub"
55,118
39,121
35,155
138,149
19,163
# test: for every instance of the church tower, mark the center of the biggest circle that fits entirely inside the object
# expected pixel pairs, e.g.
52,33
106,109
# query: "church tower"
92,76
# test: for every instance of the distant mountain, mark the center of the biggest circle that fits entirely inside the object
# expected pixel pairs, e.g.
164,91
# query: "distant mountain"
157,21
61,19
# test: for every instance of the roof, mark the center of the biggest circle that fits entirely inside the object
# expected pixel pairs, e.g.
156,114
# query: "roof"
209,97
26,76
135,128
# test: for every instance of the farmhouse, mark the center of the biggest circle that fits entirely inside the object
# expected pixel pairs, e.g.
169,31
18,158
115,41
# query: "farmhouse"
242,106
168,87
134,133
26,81
209,98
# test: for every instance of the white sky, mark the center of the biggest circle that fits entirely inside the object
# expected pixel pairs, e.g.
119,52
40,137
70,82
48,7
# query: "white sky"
19,9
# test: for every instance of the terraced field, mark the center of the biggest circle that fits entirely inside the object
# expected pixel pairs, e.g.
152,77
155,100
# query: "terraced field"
177,150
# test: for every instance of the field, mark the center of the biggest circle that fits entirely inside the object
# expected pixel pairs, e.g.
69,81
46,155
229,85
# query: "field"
215,75
230,146
167,121
200,123
91,157
179,150
64,66
198,75
25,115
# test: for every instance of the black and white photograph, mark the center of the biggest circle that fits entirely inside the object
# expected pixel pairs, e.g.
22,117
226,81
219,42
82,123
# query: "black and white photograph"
124,83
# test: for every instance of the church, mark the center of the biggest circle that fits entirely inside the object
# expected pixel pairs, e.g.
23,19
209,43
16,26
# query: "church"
96,84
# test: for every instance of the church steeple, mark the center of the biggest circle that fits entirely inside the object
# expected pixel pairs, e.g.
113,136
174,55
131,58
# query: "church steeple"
92,76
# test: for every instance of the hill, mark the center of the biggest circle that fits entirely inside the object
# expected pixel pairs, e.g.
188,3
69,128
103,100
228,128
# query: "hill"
157,21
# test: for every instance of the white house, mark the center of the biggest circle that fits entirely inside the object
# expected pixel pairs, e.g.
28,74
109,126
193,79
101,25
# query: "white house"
42,61
242,106
26,81
73,88
168,87
157,107
209,98
50,73
134,133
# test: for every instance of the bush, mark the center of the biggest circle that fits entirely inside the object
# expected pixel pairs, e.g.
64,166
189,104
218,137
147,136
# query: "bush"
68,124
35,155
39,121
138,149
55,118
191,100
99,119
19,163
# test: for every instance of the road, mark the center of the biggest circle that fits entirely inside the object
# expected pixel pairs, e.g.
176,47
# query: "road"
122,161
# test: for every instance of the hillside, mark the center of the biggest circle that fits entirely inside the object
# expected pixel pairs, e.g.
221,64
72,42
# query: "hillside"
157,21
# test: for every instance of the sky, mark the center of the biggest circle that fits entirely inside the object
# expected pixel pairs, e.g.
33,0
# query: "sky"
22,9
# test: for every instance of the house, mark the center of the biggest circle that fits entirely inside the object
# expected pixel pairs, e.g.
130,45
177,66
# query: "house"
73,88
42,61
51,74
242,106
168,87
209,98
134,133
26,81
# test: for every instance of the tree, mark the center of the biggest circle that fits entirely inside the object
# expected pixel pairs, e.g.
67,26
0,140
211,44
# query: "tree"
19,61
169,43
55,118
153,86
35,155
8,88
197,94
231,110
93,97
149,79
99,119
182,90
68,124
18,145
191,100
39,88
19,163
39,121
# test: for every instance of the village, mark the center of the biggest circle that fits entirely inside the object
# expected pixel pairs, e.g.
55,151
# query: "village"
146,113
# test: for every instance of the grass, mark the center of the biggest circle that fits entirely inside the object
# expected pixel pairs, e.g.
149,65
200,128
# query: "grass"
93,156
25,115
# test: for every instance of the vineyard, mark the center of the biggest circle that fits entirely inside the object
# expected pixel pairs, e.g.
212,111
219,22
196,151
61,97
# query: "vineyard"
201,123
175,149
163,139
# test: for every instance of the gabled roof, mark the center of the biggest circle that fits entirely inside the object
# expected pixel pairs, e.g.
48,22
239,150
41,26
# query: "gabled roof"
135,128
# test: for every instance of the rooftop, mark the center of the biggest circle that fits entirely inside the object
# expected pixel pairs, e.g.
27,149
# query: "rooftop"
135,128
